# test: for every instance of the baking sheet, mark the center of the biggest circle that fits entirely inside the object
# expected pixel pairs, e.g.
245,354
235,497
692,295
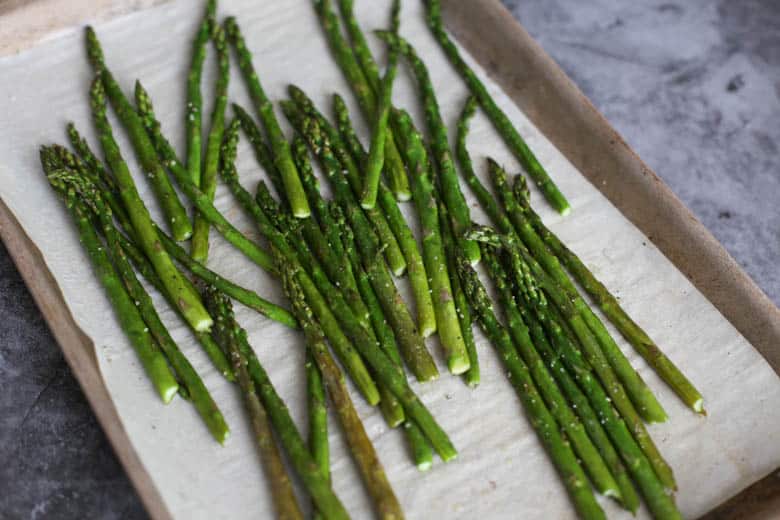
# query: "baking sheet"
502,470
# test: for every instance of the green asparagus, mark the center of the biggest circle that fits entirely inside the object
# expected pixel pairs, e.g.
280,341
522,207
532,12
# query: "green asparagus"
176,216
499,119
265,110
187,301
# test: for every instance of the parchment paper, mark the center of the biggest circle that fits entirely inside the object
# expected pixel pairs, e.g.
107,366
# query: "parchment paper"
502,471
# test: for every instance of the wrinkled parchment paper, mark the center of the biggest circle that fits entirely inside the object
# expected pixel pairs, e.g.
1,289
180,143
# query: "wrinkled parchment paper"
502,472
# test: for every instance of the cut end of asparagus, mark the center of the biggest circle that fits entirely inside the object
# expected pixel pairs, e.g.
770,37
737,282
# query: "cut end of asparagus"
565,210
222,437
698,406
301,211
402,195
613,493
168,393
204,324
427,329
368,202
424,465
458,364
399,270
471,378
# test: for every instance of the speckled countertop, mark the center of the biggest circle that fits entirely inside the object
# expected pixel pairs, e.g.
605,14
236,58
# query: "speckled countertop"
693,86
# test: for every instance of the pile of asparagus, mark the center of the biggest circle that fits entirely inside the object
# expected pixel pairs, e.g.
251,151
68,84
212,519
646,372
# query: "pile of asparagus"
337,260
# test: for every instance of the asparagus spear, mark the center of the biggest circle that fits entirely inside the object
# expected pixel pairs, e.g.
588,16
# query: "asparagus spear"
360,446
201,200
448,178
580,403
590,349
642,397
261,151
472,375
340,343
386,371
193,121
197,391
412,345
169,200
318,241
422,454
346,140
344,57
59,157
233,338
568,422
380,135
638,338
187,301
103,179
433,252
641,468
542,421
380,222
318,417
208,176
499,119
265,110
388,404
129,317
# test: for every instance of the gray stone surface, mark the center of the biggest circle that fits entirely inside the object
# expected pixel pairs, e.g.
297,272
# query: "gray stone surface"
693,85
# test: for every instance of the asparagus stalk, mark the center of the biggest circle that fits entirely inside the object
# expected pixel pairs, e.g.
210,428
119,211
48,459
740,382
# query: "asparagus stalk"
422,454
127,313
317,300
325,241
261,151
542,421
472,375
318,415
169,200
265,110
343,54
568,422
580,403
641,468
208,176
318,419
380,135
386,371
499,119
639,393
59,157
360,446
241,294
448,178
434,256
233,339
388,404
249,298
590,349
412,345
201,200
317,239
635,335
187,301
346,140
197,391
193,121
380,221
